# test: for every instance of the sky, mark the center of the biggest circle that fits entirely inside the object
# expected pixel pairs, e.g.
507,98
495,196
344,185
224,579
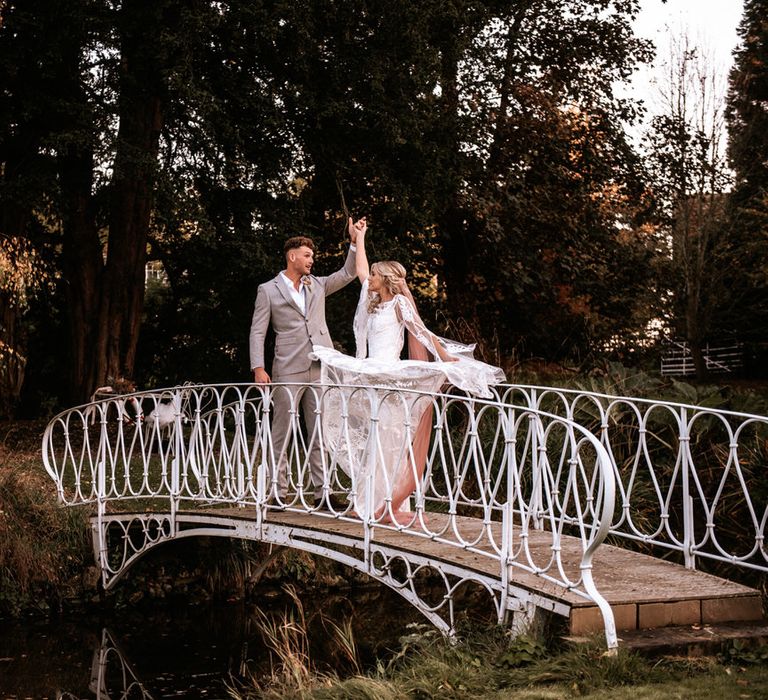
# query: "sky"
711,24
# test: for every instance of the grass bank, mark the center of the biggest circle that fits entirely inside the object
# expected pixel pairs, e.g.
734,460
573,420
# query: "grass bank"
487,664
45,552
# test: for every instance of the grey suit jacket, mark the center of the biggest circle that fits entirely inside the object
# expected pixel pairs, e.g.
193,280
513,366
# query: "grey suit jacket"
295,334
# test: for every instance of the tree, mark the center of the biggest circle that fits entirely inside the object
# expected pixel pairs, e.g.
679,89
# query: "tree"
686,157
103,75
539,212
301,106
23,274
747,119
482,139
26,180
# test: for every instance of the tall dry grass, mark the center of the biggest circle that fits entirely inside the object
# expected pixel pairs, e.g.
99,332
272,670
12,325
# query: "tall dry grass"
488,664
294,674
43,548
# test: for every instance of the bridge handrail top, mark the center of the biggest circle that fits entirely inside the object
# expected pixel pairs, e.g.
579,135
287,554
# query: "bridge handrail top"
477,400
493,403
602,453
620,398
499,388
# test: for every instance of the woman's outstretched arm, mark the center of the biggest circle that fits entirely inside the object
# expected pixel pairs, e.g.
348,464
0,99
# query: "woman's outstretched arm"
361,259
409,314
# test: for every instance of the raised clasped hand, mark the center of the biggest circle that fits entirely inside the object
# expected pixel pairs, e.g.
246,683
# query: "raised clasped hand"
358,228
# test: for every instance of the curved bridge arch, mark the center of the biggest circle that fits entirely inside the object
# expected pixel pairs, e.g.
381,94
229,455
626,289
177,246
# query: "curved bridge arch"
127,537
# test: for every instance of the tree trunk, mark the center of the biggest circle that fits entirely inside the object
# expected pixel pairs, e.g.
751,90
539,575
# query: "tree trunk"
82,262
506,83
694,337
132,197
81,248
106,296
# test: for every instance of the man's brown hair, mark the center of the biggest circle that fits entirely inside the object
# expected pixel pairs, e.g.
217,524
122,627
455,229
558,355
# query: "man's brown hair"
298,242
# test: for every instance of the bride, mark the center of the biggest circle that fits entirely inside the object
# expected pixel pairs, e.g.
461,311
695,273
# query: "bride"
386,462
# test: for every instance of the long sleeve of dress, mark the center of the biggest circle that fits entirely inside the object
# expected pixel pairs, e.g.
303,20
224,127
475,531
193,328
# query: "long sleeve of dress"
416,327
360,323
466,373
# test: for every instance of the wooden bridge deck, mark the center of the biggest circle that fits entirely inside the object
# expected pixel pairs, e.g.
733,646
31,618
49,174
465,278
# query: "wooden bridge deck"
643,591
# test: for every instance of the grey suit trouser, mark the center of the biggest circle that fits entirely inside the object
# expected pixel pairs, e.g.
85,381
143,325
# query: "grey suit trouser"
286,430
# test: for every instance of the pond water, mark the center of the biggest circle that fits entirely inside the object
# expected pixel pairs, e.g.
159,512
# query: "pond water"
179,650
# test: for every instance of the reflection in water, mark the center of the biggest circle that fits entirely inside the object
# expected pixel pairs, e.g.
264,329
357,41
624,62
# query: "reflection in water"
111,673
191,652
112,677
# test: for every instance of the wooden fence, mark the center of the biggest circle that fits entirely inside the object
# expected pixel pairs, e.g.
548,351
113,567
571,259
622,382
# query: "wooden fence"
678,361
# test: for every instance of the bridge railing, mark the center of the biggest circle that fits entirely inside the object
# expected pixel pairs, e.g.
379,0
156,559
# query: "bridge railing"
691,479
504,482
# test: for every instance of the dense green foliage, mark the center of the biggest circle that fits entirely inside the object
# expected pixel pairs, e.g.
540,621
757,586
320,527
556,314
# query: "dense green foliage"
748,150
483,142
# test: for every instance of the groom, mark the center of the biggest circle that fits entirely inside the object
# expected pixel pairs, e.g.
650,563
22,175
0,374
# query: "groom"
293,303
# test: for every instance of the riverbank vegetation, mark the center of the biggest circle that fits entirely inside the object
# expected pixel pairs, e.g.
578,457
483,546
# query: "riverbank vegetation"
45,552
486,663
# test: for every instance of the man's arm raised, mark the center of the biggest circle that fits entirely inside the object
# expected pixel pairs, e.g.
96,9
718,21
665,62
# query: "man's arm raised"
340,278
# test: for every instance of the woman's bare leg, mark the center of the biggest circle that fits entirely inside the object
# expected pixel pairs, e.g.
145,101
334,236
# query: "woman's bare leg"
414,471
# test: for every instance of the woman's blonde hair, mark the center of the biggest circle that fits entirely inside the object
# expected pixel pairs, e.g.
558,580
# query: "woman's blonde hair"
392,275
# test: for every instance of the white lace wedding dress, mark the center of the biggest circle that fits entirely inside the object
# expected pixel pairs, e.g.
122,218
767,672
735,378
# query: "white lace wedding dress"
376,460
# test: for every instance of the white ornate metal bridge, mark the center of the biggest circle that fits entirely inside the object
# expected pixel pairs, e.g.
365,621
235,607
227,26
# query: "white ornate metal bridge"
519,494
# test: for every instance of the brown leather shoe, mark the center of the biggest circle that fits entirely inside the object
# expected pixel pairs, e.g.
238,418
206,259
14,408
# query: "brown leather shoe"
331,503
274,504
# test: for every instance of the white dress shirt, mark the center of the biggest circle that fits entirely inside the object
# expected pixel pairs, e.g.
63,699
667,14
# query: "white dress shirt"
296,294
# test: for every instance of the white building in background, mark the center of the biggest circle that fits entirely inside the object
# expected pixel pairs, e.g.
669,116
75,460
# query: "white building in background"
155,272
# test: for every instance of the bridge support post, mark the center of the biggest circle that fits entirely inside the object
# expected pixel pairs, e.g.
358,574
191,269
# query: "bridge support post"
240,454
100,535
99,542
537,488
529,620
370,460
176,461
261,469
507,524
687,500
